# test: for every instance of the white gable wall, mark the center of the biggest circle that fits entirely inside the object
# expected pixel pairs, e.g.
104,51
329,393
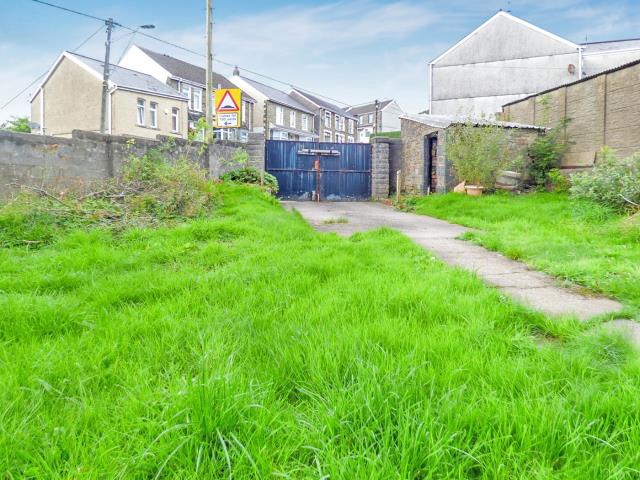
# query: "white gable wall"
136,59
504,60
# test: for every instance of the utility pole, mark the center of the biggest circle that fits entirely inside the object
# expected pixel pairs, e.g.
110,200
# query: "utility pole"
209,89
375,123
105,78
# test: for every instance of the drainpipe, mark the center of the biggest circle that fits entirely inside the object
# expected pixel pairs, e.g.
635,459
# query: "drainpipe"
41,111
580,62
430,88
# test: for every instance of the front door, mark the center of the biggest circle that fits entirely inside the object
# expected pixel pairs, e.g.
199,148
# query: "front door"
430,159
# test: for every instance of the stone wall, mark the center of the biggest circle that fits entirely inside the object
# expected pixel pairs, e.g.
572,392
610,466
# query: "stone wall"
602,110
379,170
57,162
394,161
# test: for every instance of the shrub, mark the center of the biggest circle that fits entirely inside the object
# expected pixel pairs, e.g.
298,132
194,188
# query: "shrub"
478,153
545,153
252,176
18,124
613,183
557,181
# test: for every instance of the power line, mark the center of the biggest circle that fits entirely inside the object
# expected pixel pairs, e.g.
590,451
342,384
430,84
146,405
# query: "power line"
180,47
42,75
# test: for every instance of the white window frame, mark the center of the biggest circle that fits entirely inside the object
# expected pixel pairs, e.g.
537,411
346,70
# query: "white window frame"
363,119
279,135
140,108
304,120
186,90
339,123
196,94
243,117
292,119
351,139
153,114
279,115
370,118
339,138
327,119
327,133
352,126
175,120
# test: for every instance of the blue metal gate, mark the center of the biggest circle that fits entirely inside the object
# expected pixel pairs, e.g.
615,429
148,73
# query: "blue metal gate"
320,171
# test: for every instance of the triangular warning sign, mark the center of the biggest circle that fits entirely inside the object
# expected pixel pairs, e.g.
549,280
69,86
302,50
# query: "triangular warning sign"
227,103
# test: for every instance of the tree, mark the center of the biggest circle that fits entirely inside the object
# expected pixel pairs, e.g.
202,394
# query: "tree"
18,124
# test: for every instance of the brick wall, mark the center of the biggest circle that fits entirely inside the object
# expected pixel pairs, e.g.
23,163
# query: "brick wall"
36,160
603,110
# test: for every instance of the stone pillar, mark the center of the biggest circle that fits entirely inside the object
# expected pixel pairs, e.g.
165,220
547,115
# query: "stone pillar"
256,150
379,169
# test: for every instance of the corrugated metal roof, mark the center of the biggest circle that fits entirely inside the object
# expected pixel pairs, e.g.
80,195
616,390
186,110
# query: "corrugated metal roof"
277,96
126,78
445,121
367,107
611,46
324,104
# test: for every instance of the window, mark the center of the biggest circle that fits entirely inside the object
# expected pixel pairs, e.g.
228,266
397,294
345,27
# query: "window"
197,99
306,139
327,135
305,122
277,135
350,139
175,120
153,114
327,119
339,123
352,125
186,91
292,119
279,115
140,111
371,118
339,138
363,119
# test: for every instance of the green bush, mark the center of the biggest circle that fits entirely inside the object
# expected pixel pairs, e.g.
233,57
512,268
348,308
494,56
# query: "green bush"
613,183
557,181
545,154
478,153
252,176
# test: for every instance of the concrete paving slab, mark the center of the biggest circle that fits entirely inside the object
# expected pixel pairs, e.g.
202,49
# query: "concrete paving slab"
515,279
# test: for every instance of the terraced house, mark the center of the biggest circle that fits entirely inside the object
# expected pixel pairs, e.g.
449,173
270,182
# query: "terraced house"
333,124
190,80
279,115
376,116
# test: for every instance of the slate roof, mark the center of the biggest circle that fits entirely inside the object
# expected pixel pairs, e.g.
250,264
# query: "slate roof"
277,96
129,79
445,121
611,46
188,71
324,104
367,107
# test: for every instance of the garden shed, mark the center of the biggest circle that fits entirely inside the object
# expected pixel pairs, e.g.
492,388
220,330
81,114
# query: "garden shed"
424,165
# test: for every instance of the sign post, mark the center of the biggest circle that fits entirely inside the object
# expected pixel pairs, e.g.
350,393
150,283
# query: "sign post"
228,101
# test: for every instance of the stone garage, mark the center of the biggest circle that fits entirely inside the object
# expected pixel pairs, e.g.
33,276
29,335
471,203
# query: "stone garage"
424,165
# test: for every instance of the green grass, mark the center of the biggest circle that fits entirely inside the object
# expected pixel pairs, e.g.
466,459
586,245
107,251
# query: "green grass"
577,241
248,346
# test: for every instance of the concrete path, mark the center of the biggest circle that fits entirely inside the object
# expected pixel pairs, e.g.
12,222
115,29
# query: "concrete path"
532,288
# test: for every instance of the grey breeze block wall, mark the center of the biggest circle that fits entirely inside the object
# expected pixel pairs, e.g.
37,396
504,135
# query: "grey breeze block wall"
384,171
56,162
602,110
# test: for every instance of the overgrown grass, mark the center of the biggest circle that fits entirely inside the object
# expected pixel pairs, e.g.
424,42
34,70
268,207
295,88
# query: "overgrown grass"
245,345
574,240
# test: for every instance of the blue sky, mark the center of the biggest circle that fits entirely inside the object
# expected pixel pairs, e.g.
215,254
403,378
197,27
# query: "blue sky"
352,51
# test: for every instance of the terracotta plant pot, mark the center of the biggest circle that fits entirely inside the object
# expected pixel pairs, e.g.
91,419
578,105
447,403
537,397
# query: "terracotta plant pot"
474,190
